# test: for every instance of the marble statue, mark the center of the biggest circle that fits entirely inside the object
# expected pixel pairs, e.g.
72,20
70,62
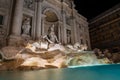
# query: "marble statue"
26,26
51,37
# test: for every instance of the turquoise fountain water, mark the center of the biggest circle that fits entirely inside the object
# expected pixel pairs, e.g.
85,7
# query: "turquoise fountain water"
101,72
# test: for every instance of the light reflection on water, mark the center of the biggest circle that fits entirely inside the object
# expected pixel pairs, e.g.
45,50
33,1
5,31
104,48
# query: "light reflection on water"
103,72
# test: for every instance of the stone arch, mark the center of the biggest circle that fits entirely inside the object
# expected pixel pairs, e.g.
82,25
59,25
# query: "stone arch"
55,19
53,10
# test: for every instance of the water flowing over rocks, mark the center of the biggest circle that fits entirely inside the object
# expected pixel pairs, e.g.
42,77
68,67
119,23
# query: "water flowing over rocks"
86,58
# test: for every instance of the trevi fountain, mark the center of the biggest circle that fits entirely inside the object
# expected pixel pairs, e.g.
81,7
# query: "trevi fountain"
49,40
46,53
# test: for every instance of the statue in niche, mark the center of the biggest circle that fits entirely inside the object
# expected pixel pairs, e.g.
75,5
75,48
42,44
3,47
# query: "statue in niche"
51,37
26,26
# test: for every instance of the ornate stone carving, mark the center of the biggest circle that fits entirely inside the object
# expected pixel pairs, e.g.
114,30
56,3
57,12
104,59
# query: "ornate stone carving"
68,2
30,4
26,28
69,20
51,37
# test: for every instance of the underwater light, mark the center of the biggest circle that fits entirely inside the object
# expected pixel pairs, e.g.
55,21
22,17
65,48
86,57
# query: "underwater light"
88,65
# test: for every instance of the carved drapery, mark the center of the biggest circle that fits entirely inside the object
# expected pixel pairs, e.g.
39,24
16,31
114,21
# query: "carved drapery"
26,25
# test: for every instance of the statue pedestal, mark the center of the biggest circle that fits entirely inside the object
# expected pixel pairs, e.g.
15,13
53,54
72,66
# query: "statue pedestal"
26,37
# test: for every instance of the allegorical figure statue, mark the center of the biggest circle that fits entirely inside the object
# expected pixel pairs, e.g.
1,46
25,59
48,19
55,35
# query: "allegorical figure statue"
51,37
26,26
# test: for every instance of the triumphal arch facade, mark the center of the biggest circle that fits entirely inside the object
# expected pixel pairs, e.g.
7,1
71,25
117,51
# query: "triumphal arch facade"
32,19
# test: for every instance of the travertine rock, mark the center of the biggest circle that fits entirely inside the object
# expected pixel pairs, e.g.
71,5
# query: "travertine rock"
9,52
56,47
56,56
35,61
11,65
116,57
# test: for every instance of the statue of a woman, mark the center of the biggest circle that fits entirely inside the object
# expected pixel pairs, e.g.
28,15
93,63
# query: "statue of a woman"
26,26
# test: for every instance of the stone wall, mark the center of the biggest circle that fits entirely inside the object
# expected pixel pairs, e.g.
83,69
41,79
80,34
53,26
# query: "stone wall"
5,13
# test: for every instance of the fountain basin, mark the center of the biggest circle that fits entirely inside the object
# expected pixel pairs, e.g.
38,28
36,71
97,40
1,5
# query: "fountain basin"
101,72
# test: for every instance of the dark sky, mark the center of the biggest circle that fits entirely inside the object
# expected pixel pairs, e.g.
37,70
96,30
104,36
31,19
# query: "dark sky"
92,8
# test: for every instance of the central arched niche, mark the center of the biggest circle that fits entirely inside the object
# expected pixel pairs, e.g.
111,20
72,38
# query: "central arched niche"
51,18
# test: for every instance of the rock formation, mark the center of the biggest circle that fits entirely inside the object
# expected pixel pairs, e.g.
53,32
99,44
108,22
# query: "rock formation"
41,55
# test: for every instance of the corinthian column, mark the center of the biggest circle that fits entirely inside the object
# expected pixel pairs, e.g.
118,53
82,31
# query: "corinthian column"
64,29
17,22
17,19
39,17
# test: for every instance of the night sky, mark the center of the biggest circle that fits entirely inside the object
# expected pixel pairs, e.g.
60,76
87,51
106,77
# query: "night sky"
92,8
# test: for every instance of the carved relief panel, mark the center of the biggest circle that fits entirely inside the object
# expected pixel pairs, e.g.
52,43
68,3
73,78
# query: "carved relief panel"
29,4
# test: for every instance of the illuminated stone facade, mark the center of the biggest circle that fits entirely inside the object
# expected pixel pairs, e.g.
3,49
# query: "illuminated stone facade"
32,19
105,29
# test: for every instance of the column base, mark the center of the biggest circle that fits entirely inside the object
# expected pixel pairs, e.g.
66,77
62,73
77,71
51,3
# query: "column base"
14,40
